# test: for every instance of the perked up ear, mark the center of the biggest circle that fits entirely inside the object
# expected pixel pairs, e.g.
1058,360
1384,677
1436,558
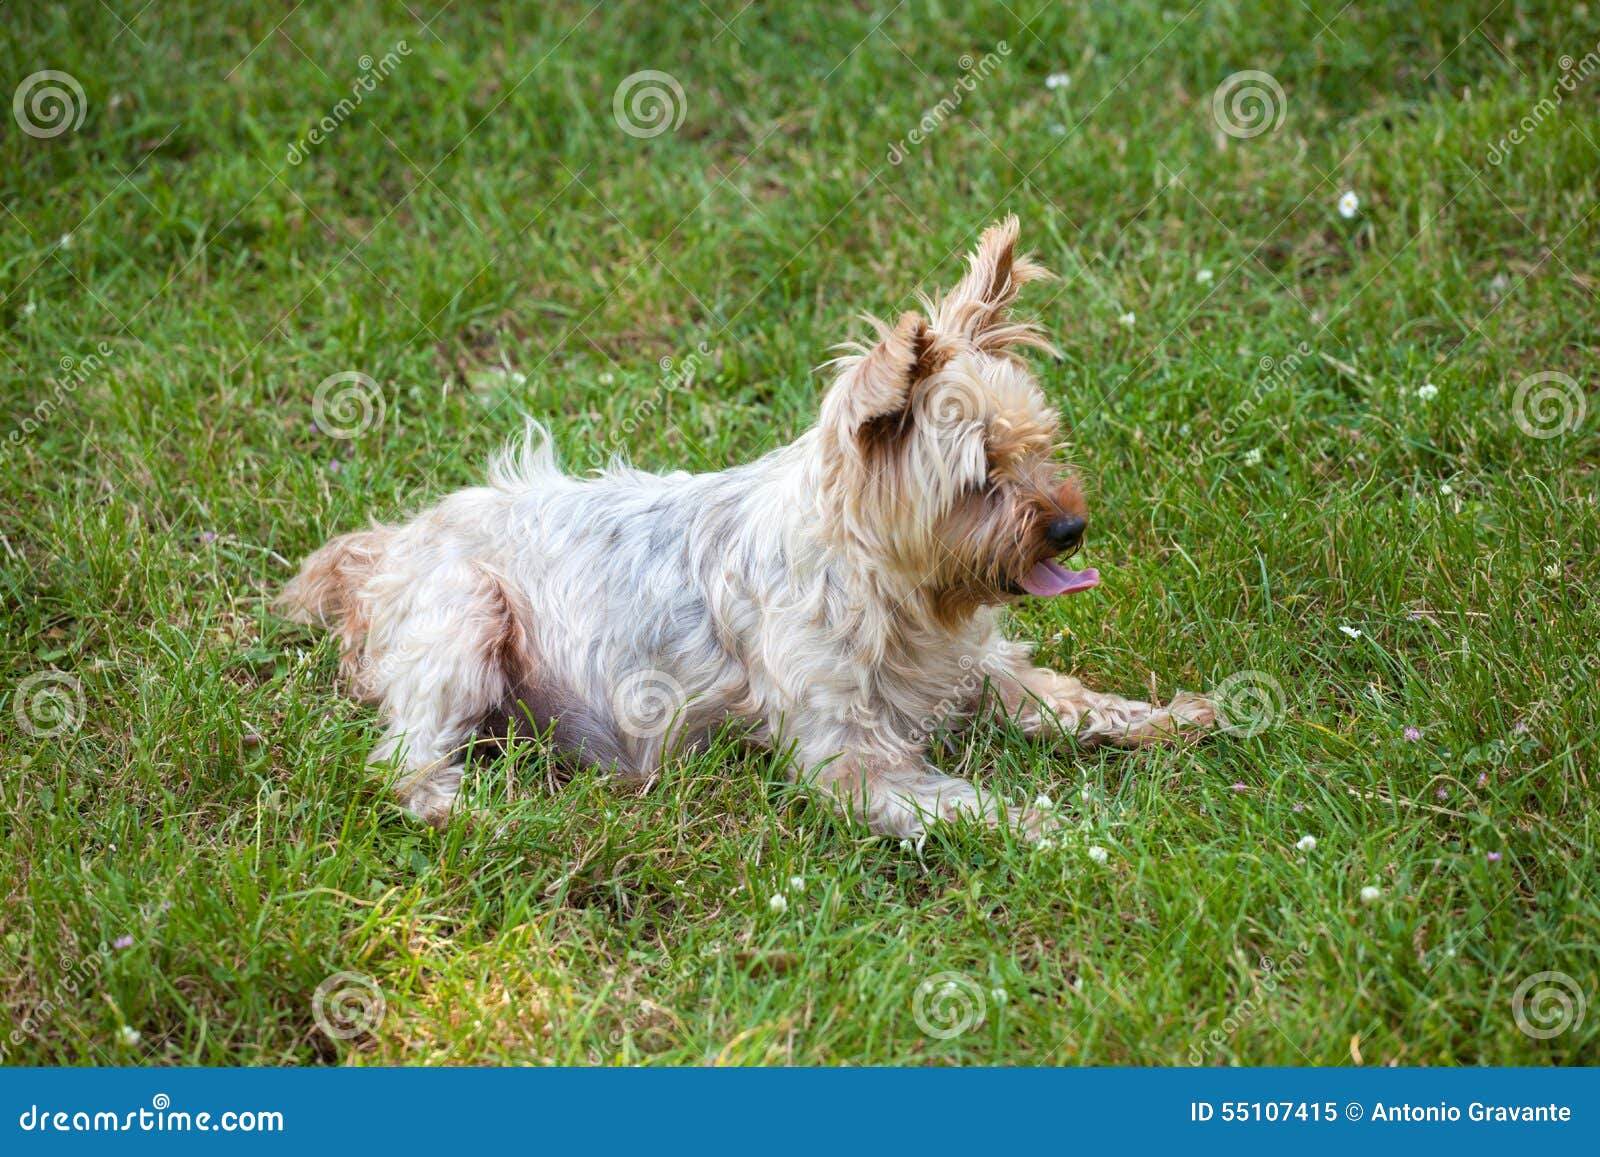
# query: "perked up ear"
871,400
978,306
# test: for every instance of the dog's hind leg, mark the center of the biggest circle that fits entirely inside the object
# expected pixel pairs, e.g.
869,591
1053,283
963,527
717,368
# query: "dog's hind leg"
1045,702
445,655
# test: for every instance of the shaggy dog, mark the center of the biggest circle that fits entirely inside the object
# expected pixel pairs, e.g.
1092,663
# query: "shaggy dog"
836,599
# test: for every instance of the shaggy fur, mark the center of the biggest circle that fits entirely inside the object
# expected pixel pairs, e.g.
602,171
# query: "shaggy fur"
838,598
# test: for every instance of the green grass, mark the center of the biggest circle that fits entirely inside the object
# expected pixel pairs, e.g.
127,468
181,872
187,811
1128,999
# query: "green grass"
204,794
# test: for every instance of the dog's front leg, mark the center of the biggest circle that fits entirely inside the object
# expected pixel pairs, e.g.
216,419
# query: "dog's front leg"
901,795
1045,702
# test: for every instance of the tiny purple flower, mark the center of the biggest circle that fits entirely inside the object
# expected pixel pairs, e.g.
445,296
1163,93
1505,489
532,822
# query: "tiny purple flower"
1521,727
208,536
334,466
1299,807
1241,787
1442,793
1493,857
1412,734
1483,780
122,942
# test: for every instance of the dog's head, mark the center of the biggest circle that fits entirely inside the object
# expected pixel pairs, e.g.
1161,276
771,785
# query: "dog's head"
941,454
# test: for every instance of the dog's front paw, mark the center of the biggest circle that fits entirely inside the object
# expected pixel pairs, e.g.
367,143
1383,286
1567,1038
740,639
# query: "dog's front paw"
1191,710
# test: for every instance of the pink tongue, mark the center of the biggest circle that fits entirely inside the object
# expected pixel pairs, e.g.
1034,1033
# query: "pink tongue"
1051,578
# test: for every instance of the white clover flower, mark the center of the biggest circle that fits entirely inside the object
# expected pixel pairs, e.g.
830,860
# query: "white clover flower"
1446,488
1307,844
1371,895
1057,80
607,378
1043,802
1098,854
1128,320
999,995
1427,391
797,883
65,241
1253,456
128,1036
1349,204
905,845
28,308
1203,277
779,903
1553,570
1353,632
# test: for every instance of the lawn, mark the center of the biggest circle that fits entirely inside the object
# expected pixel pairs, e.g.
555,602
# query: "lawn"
1328,337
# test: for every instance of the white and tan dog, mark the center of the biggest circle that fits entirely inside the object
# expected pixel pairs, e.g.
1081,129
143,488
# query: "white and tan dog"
836,599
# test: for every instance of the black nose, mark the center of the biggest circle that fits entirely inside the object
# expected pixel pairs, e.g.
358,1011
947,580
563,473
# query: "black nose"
1066,532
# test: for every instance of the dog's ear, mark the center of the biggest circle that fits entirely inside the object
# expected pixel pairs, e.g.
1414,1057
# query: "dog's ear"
870,403
977,308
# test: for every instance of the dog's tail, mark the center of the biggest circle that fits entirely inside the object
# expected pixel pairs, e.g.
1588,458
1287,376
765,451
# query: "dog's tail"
324,592
526,464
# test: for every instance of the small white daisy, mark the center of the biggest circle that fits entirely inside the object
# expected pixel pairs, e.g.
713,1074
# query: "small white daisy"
1098,854
1253,457
779,903
1553,570
1353,632
1446,488
1371,895
1057,80
1307,844
797,883
607,378
1127,319
1427,391
1203,277
128,1036
1349,204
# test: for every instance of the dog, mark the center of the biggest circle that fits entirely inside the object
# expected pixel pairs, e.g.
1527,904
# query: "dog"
836,600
